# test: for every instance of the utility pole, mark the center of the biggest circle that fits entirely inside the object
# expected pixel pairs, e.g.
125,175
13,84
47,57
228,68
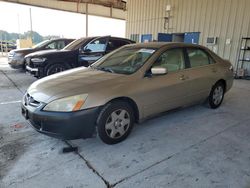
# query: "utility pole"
87,21
6,43
18,22
2,43
31,30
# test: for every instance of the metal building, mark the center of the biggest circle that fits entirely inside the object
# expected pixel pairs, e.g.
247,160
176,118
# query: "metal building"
217,24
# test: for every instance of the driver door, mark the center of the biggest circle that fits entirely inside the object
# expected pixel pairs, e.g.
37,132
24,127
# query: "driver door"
93,51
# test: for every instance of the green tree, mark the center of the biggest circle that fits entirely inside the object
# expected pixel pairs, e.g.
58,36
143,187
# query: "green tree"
36,37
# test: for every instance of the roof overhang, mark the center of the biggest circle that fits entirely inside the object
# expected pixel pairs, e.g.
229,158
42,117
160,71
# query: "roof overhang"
105,8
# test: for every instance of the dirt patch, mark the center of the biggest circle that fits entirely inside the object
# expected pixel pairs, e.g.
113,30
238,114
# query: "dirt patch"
9,153
11,145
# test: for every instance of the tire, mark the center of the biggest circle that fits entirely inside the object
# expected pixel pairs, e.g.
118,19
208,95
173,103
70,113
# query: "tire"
216,95
115,122
54,68
24,65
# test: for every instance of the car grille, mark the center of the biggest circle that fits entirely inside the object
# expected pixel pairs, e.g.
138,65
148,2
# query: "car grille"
10,55
30,101
29,62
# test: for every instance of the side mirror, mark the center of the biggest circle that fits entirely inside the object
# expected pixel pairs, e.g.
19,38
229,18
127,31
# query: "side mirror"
159,70
84,51
87,51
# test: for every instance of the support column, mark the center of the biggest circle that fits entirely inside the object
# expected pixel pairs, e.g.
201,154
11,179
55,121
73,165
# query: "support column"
31,29
87,21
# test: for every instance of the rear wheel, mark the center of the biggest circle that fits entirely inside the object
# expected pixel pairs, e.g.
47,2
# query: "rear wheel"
55,68
216,95
115,122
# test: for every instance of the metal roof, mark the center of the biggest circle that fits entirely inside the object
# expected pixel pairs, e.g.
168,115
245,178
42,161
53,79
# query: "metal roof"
105,8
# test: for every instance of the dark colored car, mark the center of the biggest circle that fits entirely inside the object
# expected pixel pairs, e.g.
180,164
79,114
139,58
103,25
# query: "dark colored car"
7,46
81,52
16,57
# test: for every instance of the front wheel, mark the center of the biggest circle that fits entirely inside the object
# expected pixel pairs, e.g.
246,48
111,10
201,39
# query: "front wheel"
115,122
216,95
54,68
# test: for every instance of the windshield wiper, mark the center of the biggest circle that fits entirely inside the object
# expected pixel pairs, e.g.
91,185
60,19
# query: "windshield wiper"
106,69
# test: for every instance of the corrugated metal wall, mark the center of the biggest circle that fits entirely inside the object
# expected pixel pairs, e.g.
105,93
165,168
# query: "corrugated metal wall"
226,19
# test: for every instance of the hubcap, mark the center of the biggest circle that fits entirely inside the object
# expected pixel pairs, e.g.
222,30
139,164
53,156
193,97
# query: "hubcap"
56,70
117,123
218,95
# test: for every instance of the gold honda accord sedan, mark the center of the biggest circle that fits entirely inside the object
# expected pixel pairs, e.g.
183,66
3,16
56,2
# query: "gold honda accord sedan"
126,86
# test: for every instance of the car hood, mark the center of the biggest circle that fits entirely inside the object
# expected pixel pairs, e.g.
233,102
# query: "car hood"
22,50
73,82
43,53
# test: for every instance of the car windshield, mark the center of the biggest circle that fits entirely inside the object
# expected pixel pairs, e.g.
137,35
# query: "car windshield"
125,61
76,44
41,44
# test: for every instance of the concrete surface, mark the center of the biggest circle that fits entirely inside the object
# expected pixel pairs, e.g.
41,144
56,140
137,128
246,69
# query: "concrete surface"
192,147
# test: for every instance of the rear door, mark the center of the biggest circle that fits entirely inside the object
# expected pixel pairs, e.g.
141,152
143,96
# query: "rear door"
93,51
202,73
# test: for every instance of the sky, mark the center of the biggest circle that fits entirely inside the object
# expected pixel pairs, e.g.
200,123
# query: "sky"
16,18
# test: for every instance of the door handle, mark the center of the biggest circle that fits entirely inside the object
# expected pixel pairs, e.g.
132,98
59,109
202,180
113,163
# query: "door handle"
214,70
183,77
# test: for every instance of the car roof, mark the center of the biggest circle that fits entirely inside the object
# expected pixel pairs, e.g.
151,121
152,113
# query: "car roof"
120,38
55,39
94,37
164,44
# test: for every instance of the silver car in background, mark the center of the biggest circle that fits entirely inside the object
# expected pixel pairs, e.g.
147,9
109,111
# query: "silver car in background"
126,86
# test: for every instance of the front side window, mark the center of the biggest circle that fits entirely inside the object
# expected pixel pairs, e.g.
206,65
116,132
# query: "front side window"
172,60
197,57
125,61
98,45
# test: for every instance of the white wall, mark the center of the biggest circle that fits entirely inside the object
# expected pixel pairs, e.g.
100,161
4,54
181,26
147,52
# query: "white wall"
226,19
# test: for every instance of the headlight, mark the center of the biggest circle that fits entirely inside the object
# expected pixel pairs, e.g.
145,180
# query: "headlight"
68,104
17,55
38,59
11,54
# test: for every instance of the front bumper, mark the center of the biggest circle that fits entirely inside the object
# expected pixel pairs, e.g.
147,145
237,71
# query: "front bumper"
16,63
30,69
34,71
62,125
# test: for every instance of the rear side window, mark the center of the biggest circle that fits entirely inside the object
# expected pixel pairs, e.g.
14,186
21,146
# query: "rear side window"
52,45
197,57
60,45
115,43
56,45
67,42
173,60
